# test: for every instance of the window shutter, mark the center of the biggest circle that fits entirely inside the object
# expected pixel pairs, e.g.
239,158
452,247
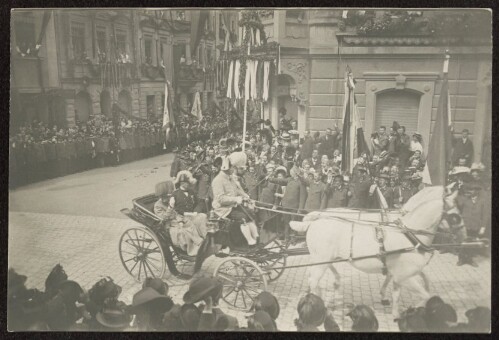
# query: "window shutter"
399,106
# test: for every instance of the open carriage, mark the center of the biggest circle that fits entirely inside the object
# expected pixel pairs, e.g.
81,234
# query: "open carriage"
148,251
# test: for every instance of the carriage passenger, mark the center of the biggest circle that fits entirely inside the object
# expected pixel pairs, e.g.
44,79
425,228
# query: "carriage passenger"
228,195
186,232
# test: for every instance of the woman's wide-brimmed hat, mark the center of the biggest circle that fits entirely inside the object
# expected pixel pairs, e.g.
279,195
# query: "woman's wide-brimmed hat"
164,188
113,318
281,169
201,288
238,159
267,302
150,298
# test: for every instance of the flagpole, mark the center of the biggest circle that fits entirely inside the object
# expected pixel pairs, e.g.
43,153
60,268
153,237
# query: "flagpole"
244,124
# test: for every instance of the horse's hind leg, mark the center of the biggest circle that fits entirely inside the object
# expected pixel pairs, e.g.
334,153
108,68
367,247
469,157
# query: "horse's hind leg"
418,287
337,277
384,299
395,300
315,275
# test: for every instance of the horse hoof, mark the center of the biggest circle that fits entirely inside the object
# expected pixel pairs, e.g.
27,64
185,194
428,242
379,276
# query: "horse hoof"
385,302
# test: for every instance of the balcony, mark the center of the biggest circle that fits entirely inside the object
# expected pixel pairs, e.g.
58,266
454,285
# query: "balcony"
26,72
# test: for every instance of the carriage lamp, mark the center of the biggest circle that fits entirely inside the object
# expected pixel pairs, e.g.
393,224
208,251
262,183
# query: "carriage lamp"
212,224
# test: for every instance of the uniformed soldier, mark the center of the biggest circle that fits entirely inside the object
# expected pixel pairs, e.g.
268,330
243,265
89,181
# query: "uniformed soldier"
385,190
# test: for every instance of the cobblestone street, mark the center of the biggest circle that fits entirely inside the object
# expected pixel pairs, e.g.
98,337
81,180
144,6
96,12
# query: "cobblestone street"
81,227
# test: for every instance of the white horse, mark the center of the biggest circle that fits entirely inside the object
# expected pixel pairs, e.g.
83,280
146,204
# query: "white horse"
331,236
378,215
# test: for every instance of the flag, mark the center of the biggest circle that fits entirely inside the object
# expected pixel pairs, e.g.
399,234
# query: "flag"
196,107
353,138
166,113
440,146
198,20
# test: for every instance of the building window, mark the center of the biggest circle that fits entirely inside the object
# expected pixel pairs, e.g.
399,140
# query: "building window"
78,40
25,35
122,46
148,49
151,108
298,14
180,15
101,43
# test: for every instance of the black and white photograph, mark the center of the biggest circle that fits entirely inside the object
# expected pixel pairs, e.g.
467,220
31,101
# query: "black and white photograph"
250,170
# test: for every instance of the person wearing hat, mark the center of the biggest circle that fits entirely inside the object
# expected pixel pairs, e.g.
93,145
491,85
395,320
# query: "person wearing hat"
149,308
311,313
208,290
379,140
294,196
267,197
416,145
266,302
103,294
229,196
364,319
61,311
316,189
186,231
336,193
113,320
474,212
25,307
403,192
307,145
261,322
359,187
386,191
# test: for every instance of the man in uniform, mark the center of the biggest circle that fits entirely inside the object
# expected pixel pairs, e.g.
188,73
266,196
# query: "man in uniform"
385,190
360,189
229,196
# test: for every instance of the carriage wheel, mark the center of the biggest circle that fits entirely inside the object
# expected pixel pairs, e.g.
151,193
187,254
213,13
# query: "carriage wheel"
242,281
278,262
141,254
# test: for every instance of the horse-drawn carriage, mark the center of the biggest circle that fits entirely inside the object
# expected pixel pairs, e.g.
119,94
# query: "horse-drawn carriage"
246,271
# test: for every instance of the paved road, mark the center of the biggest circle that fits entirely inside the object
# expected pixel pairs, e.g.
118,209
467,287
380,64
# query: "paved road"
75,221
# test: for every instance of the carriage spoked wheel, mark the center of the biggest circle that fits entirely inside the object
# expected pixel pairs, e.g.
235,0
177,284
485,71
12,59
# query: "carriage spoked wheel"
141,254
274,262
184,266
242,281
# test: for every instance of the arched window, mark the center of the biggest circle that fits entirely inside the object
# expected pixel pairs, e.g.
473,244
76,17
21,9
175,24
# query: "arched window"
400,106
83,106
125,101
105,103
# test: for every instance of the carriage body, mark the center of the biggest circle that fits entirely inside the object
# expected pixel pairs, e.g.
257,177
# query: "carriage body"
147,251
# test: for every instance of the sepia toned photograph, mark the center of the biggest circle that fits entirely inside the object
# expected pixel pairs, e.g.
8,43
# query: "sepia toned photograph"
250,170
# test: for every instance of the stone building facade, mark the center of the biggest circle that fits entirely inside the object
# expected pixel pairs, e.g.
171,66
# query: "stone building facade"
89,60
399,76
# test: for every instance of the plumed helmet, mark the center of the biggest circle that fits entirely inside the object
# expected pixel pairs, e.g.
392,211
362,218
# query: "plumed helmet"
238,159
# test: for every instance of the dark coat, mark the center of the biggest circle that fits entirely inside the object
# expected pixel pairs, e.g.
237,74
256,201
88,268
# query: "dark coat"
317,165
184,203
296,192
335,198
328,144
474,214
315,196
360,194
307,147
462,150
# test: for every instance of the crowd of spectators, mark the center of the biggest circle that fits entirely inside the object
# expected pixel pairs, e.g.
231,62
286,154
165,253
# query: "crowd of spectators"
66,306
38,151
